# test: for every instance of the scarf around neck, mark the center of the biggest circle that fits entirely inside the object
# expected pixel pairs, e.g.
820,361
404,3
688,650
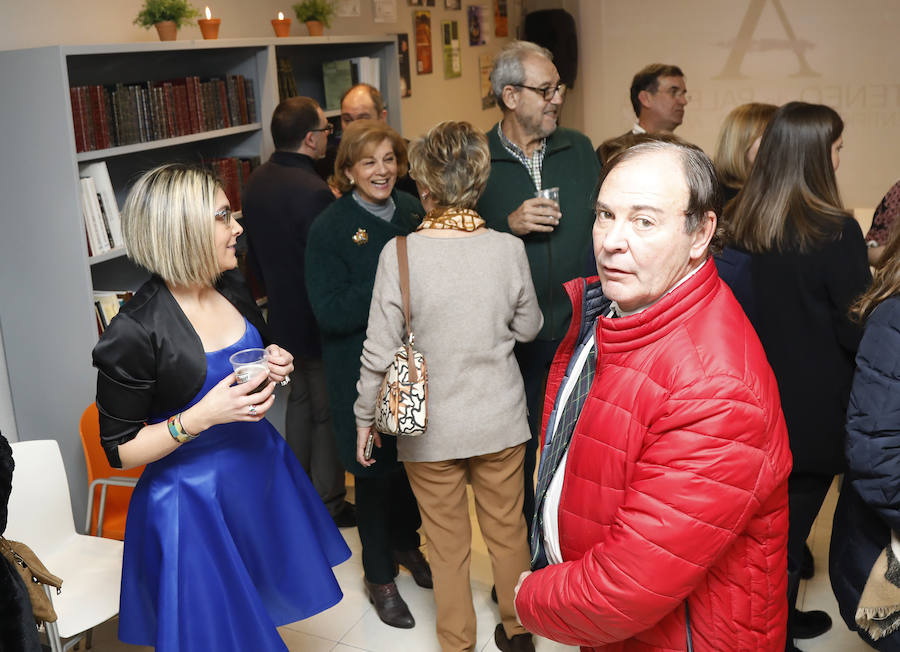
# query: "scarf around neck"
459,219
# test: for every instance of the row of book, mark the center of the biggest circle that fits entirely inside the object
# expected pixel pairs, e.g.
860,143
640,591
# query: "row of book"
124,114
99,209
233,173
106,306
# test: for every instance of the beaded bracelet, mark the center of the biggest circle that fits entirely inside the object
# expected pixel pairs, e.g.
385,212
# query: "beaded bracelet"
177,430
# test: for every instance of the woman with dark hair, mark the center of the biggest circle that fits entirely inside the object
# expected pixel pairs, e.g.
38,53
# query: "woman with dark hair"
808,264
342,252
226,537
867,518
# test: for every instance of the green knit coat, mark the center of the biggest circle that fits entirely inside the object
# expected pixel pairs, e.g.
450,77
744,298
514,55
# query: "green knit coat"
571,165
344,243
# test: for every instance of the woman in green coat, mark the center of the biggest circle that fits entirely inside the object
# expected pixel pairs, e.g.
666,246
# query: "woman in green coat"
342,253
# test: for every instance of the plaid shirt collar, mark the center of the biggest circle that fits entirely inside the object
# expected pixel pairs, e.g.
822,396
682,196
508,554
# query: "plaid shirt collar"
533,164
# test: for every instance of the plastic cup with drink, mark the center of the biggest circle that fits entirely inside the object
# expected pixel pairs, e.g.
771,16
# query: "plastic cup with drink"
250,363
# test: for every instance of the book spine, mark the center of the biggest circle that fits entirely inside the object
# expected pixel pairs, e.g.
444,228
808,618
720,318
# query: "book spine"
223,120
251,100
242,99
76,120
169,95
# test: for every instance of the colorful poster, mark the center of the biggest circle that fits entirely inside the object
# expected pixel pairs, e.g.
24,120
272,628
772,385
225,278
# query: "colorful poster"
452,59
476,25
485,63
403,59
501,23
422,23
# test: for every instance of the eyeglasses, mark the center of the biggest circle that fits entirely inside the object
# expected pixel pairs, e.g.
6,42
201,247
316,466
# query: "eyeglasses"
224,215
677,93
547,92
328,128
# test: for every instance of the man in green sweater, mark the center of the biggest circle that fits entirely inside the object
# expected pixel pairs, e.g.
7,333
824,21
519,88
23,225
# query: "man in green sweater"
530,152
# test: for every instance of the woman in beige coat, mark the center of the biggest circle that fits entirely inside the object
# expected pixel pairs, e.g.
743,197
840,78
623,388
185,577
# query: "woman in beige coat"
471,300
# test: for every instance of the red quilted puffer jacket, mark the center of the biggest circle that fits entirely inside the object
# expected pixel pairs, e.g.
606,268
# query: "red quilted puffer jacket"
675,486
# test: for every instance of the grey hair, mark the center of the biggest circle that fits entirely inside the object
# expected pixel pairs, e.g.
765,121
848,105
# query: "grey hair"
508,69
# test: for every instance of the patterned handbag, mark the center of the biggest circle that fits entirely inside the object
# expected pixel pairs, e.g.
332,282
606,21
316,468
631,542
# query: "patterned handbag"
402,407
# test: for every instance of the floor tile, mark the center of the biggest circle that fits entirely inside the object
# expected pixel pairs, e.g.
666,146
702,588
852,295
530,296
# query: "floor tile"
300,642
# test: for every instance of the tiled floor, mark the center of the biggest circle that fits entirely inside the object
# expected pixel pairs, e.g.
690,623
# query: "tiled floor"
352,625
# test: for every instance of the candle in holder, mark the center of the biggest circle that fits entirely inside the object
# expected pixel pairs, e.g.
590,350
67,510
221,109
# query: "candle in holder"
281,25
209,26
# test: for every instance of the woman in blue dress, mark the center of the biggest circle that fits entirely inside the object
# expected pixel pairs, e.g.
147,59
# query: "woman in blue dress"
226,538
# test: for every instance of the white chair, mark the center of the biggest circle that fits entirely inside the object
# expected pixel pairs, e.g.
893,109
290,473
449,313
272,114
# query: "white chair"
40,515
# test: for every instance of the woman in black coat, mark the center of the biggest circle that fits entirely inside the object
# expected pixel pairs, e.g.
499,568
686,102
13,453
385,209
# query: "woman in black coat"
869,505
807,265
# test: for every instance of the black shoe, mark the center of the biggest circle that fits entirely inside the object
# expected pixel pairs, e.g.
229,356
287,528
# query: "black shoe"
494,594
809,624
518,643
345,516
415,563
807,565
389,606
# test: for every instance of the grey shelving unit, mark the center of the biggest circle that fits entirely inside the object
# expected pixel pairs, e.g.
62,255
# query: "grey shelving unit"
46,276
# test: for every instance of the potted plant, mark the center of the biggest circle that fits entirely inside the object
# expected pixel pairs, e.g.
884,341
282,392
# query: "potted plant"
316,14
167,16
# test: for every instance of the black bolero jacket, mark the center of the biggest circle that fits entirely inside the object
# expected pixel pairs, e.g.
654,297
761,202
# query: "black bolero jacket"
150,360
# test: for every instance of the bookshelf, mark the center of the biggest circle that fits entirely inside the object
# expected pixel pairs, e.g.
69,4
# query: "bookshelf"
47,279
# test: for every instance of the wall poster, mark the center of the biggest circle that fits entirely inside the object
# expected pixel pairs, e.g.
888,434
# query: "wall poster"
422,23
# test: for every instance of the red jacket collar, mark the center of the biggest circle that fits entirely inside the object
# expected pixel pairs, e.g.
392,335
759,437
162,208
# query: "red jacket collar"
626,333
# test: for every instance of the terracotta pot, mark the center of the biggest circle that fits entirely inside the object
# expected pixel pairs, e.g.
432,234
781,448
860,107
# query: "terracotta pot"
167,30
209,27
315,28
281,27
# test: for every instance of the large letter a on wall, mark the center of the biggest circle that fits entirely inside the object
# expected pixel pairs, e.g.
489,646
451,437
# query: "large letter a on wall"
744,41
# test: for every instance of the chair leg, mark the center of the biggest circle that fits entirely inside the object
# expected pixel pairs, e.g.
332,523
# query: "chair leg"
89,639
53,637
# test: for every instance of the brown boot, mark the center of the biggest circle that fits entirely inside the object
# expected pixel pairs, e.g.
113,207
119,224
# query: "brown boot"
414,561
518,643
389,606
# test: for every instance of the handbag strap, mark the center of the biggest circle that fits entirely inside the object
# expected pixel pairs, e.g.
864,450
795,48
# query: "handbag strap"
403,267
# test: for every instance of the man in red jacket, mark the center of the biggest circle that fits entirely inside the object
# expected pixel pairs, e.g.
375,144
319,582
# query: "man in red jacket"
661,516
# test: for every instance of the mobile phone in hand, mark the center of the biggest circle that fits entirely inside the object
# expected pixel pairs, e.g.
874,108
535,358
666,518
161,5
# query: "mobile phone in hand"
370,443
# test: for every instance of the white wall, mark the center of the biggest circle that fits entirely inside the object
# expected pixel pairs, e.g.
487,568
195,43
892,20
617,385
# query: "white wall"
850,49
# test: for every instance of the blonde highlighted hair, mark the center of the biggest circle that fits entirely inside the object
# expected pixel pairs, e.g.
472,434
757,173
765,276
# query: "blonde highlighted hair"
452,162
742,126
169,226
360,139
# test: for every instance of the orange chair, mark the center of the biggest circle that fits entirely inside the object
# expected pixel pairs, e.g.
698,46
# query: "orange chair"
108,507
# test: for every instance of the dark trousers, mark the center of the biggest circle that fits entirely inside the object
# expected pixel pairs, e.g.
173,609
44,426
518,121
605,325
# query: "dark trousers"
388,519
806,493
534,362
310,433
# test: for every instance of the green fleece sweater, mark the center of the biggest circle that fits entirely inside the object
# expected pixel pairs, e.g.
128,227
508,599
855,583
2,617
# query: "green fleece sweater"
344,243
571,165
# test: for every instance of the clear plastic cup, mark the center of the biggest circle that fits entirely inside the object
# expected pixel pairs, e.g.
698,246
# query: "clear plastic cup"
250,363
548,193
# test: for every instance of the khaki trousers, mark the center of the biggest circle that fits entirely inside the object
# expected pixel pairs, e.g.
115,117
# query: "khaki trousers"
440,489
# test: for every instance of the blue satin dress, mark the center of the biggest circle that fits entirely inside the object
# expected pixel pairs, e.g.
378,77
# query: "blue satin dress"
226,539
